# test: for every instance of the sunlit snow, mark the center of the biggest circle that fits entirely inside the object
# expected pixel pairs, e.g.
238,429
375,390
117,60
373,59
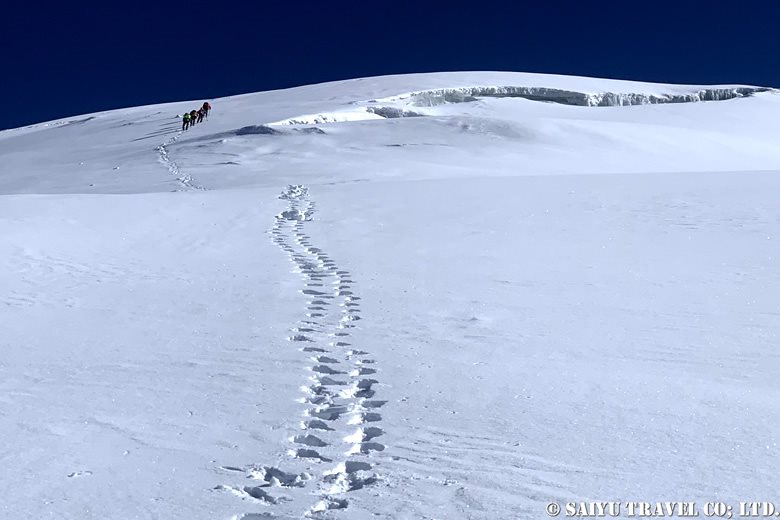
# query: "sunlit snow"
440,296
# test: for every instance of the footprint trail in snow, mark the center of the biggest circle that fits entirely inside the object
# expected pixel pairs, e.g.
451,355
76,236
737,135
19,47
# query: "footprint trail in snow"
184,179
340,425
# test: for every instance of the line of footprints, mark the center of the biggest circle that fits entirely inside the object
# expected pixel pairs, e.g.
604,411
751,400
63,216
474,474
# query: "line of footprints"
341,420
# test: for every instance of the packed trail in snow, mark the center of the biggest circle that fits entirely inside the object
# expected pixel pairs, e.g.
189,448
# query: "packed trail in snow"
478,293
332,450
183,178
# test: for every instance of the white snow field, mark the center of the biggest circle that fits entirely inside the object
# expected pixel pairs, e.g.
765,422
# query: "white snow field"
528,289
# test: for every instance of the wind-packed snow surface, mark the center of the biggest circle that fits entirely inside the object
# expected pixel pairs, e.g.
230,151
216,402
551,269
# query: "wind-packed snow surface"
443,296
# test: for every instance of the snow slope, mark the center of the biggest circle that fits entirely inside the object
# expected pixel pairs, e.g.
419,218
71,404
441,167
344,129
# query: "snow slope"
438,296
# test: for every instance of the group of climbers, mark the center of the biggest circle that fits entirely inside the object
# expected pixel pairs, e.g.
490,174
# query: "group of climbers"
195,116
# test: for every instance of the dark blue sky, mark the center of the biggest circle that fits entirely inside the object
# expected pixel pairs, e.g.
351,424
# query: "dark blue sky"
68,58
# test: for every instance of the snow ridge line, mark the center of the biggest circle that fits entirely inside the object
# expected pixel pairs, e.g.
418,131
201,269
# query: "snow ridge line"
184,178
378,109
341,420
569,97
